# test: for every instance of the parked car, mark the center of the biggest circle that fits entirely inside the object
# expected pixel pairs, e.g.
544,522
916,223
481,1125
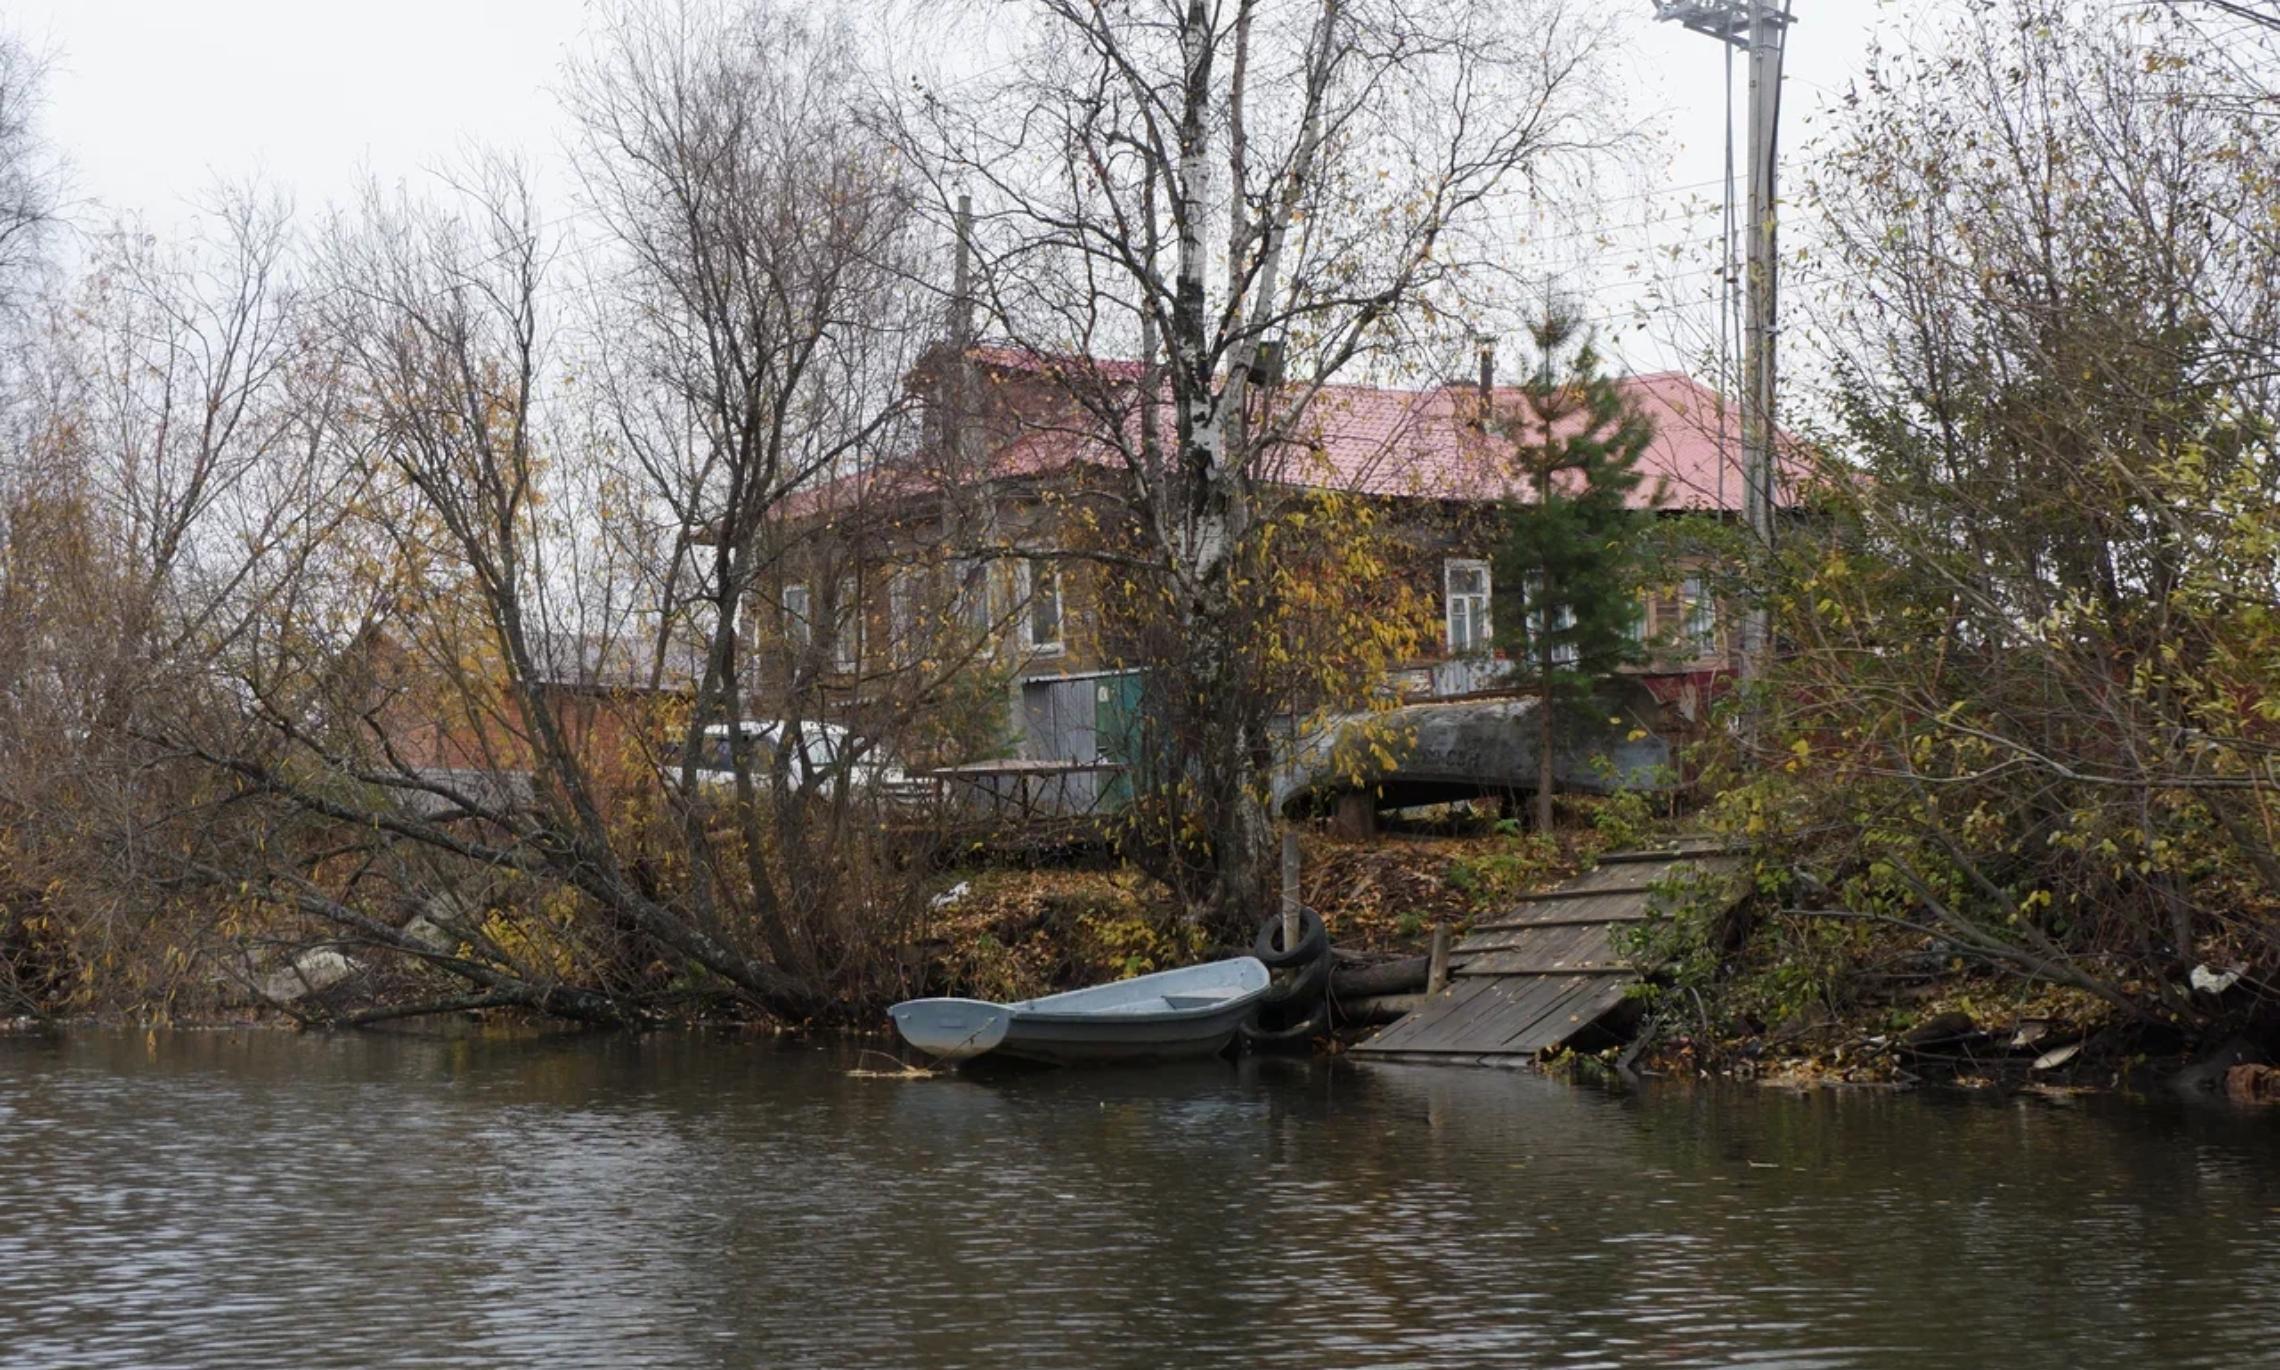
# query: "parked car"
821,754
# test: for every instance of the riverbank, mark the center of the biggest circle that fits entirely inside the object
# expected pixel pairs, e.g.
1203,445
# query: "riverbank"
1769,998
1005,934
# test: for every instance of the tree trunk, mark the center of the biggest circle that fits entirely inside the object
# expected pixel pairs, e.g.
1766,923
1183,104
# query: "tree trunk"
1544,775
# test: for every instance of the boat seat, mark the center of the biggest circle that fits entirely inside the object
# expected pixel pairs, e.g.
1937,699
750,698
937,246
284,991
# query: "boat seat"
1193,1000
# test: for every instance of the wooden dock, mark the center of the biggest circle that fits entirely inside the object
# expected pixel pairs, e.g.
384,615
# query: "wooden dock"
1534,978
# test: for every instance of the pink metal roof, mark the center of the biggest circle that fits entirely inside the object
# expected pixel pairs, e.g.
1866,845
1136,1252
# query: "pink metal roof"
1376,440
1424,444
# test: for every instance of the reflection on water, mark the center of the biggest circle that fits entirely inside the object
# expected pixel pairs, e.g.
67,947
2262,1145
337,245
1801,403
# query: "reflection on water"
259,1198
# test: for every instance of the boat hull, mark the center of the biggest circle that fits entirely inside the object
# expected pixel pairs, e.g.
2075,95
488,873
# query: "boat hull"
1091,1043
1171,1015
952,1029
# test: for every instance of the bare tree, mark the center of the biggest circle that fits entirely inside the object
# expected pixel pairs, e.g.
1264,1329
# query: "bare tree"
2029,674
164,495
1245,200
341,576
768,304
31,187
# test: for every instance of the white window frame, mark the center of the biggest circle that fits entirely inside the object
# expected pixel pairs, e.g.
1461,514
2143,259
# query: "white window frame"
1698,610
970,594
1564,654
902,615
1025,585
798,605
847,626
1477,607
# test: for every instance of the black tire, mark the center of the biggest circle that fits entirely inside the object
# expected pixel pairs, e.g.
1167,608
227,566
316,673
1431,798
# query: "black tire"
1313,940
1297,1036
1299,986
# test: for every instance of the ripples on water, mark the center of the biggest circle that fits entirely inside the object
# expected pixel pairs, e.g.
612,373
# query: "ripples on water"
232,1199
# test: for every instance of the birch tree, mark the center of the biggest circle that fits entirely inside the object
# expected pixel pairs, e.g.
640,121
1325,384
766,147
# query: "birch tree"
1239,202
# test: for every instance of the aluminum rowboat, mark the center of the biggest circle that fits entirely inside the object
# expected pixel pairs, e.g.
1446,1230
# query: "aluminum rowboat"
1165,1016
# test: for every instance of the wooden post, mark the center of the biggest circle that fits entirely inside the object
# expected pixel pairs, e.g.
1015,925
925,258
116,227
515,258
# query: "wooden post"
1290,919
1437,962
1355,816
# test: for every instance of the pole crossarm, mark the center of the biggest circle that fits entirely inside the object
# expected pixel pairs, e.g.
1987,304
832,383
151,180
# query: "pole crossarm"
1728,21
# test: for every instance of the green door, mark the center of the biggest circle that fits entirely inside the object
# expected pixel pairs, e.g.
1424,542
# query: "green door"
1117,725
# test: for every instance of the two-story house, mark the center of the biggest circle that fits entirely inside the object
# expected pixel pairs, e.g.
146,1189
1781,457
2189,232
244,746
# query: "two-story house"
957,553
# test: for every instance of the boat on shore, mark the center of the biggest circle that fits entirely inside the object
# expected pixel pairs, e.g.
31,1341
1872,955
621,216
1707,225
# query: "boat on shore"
1170,1015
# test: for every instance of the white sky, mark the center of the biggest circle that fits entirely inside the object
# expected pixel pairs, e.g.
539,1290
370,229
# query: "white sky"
152,101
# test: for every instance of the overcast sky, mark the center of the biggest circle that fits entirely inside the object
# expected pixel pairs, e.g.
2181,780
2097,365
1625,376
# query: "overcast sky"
153,100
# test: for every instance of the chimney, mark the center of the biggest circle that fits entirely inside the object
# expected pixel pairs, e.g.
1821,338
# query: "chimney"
1267,366
962,278
1487,346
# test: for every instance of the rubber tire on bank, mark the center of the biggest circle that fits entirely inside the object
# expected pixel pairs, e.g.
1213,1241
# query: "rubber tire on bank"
1296,1035
1305,985
1313,940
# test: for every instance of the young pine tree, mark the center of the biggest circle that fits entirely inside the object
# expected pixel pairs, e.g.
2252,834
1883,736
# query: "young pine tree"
1573,549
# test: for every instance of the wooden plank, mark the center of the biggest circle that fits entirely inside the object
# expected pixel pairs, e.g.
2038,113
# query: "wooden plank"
1537,976
1426,1022
1684,849
1544,942
1448,1058
1547,935
1525,968
1597,922
1502,1007
1585,892
1587,1005
1467,1022
1508,1015
1596,908
1603,880
1554,939
1441,1022
1532,1000
1484,1020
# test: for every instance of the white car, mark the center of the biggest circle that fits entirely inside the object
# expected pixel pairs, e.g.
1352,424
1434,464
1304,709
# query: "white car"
814,759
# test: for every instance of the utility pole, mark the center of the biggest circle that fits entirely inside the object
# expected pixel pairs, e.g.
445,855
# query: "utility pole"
1758,29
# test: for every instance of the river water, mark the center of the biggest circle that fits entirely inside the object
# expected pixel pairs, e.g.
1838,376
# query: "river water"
260,1198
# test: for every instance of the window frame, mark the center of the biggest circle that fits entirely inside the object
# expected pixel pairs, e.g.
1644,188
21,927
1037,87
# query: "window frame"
902,615
847,626
798,623
1026,583
1482,602
1565,655
1698,616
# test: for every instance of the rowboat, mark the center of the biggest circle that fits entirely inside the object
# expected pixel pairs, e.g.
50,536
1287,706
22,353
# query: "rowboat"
1193,1011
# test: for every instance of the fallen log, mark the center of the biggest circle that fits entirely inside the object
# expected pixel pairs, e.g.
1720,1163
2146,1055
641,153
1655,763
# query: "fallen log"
1378,1008
1404,976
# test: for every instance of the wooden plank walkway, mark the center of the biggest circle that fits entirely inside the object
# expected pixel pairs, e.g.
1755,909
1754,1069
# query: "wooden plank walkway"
1527,981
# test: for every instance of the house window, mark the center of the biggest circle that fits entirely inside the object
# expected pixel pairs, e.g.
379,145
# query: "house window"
1563,620
847,627
1665,610
1701,620
796,619
970,591
1040,590
902,616
1466,586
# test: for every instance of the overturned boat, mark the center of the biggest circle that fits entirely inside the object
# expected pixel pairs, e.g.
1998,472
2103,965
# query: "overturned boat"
1169,1015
